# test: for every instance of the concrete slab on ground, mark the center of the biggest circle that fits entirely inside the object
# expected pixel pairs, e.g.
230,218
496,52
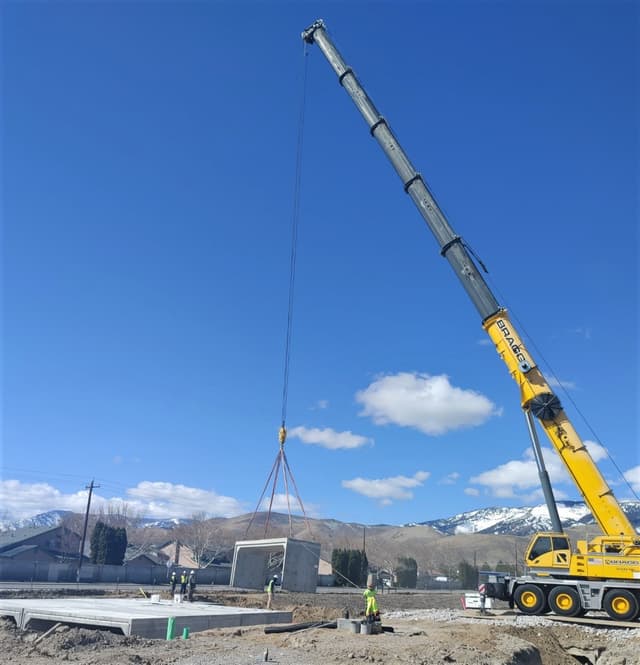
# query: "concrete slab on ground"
135,616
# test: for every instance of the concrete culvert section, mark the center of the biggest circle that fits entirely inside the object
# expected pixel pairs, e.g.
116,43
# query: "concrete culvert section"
585,656
297,571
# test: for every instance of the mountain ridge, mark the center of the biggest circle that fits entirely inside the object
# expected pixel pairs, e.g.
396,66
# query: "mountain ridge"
494,520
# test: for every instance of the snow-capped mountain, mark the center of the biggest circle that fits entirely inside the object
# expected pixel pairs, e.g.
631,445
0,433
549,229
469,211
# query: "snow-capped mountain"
169,523
50,518
54,517
524,521
503,521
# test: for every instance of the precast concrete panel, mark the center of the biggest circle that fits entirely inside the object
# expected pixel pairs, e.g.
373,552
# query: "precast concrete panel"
299,569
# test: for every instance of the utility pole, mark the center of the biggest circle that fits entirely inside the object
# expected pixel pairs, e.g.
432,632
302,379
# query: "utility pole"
475,568
84,529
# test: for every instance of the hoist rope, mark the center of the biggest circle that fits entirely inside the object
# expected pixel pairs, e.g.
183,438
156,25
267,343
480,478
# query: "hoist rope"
294,238
281,461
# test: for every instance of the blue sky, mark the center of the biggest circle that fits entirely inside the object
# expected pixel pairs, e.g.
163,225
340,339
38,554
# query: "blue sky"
148,163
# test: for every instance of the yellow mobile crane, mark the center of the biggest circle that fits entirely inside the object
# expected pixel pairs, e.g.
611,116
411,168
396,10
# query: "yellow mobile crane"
603,573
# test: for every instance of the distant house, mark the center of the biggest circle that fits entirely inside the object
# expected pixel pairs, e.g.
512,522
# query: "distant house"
29,553
133,558
47,543
180,556
326,576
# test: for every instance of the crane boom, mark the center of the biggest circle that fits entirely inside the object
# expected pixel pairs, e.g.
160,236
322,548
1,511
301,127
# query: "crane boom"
536,395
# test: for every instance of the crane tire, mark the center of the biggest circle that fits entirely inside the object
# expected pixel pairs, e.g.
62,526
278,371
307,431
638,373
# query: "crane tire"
565,601
530,599
621,604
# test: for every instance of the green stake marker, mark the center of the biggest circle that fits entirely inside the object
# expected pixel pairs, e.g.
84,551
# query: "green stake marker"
185,633
171,627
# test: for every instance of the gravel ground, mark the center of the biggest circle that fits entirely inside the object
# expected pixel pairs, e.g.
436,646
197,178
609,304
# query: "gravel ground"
428,628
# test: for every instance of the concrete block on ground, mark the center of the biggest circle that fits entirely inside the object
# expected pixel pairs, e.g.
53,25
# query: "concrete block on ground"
349,625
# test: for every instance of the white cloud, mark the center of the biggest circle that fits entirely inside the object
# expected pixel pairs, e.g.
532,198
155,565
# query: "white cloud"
560,383
281,505
450,479
520,479
320,404
427,403
471,491
485,341
147,499
597,452
504,480
537,496
387,489
22,500
583,332
160,499
632,476
329,438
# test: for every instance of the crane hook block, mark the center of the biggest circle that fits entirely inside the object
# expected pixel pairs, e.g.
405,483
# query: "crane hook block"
282,435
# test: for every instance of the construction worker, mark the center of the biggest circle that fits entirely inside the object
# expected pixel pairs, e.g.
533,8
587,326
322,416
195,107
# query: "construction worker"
270,585
483,598
173,580
183,583
371,612
192,585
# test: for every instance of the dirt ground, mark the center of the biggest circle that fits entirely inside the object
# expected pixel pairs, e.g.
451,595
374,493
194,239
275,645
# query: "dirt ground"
428,628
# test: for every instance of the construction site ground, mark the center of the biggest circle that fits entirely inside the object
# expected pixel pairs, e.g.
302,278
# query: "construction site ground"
429,627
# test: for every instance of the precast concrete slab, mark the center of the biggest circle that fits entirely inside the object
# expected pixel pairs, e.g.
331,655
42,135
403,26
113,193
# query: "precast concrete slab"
15,612
136,616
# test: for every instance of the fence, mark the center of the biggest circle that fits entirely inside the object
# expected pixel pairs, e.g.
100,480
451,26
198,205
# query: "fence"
39,571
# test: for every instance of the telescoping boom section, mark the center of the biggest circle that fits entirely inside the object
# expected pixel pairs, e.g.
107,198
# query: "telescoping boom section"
617,553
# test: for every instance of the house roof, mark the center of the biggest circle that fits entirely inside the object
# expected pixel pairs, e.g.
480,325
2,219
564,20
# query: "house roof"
15,537
15,551
153,557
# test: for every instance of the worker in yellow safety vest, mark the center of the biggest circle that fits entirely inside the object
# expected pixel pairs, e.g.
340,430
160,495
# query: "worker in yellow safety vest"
270,589
371,612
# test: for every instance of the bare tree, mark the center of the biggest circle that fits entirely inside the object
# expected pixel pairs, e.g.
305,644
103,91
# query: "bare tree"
73,522
204,537
115,515
71,531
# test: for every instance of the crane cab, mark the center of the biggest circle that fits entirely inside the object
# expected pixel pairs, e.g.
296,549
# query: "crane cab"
549,553
604,557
